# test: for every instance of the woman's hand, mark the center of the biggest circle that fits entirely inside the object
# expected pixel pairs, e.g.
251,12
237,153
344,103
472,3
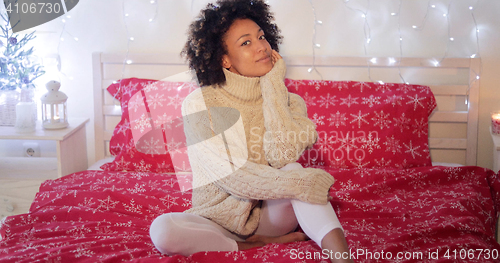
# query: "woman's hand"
275,56
279,69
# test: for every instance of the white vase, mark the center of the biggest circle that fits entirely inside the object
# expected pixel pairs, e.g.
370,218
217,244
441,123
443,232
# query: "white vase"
25,119
8,101
28,95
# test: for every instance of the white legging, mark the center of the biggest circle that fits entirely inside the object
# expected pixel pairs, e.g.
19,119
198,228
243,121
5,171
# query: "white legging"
186,234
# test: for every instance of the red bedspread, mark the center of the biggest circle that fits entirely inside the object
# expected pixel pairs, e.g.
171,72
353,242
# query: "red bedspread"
425,214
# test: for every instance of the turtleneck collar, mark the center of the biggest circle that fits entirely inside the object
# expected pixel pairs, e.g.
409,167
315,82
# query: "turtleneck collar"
242,89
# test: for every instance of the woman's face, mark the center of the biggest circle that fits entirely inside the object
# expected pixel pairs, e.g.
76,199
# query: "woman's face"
248,52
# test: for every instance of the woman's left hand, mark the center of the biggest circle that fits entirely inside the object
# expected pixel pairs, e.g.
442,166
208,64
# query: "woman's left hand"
278,70
275,56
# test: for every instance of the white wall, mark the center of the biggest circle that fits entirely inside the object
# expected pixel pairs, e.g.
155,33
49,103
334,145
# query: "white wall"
100,25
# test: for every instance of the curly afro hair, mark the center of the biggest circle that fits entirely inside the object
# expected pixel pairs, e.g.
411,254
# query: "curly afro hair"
205,47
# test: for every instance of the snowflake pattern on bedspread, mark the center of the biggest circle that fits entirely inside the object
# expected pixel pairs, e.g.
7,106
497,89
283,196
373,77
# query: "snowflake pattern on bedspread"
103,216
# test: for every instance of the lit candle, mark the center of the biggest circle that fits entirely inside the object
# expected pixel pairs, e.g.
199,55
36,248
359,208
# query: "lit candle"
51,113
495,122
56,113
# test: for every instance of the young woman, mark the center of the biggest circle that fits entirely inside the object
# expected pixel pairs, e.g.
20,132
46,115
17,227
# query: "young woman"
248,190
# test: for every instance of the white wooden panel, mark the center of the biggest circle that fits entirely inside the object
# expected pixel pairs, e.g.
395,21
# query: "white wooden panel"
441,143
461,104
448,130
449,89
446,103
379,62
109,100
72,153
112,110
451,103
446,116
111,122
107,135
106,83
448,156
98,102
107,154
149,71
136,58
427,76
496,151
473,118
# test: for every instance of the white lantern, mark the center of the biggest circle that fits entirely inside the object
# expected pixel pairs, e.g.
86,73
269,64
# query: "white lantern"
54,109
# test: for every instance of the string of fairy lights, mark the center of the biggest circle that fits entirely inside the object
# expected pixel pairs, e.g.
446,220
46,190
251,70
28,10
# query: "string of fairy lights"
368,37
315,44
61,39
130,38
477,54
366,31
365,14
400,40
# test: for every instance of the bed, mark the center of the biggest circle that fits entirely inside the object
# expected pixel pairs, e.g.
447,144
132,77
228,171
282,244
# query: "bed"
398,134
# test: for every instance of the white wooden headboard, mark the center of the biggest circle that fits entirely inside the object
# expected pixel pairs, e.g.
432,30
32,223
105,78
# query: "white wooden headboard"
452,129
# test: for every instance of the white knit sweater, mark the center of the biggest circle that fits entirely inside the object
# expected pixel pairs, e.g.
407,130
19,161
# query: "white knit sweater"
234,170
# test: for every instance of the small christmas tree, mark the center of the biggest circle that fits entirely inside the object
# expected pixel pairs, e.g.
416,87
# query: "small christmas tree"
17,68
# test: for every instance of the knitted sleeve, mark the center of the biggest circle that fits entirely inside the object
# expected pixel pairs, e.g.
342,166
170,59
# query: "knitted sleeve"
288,129
221,158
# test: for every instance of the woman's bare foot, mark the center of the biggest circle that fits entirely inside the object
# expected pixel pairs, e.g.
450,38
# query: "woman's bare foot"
260,241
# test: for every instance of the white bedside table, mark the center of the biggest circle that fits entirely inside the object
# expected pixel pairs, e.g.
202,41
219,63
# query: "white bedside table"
496,151
20,177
